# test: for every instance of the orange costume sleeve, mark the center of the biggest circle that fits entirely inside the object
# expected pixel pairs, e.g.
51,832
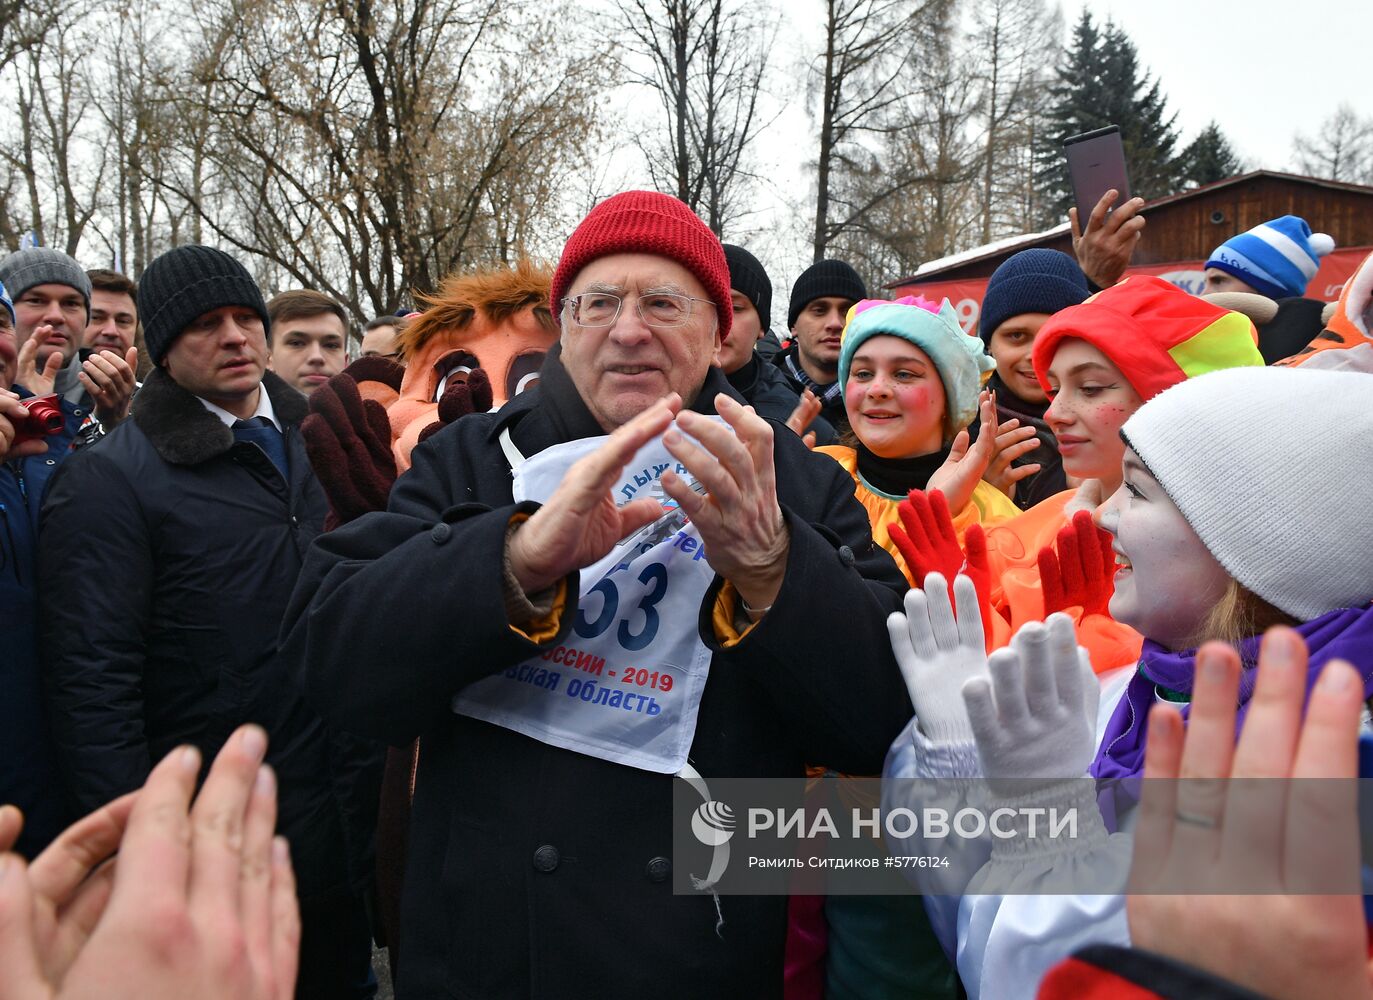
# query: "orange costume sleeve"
988,506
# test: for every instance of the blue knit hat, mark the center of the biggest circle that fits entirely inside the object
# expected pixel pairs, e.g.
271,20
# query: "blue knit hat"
1032,281
7,303
1276,259
960,359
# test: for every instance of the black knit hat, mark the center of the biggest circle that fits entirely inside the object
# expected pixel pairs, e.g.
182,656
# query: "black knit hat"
186,282
746,275
1032,281
823,278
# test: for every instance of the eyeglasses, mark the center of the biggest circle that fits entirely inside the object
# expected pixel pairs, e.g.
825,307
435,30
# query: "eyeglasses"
662,309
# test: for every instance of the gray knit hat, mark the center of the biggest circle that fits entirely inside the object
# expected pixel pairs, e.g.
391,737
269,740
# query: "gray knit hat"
1270,467
25,269
186,282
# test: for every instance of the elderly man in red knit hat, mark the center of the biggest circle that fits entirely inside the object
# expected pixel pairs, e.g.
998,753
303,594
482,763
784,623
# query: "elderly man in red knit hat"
622,576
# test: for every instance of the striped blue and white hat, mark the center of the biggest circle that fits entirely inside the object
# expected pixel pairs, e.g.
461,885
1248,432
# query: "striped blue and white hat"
1276,259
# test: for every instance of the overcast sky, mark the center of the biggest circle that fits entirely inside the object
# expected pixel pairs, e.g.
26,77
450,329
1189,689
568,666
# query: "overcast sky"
1263,69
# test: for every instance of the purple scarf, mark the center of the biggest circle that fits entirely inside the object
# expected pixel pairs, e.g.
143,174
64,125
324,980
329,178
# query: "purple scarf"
1345,634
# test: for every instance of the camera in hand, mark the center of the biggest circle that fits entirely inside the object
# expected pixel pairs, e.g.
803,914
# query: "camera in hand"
44,419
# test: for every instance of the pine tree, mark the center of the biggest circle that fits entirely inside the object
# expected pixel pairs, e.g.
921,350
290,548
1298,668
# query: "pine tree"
1209,158
1100,83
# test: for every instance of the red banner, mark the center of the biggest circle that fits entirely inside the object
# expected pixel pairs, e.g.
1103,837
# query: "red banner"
966,295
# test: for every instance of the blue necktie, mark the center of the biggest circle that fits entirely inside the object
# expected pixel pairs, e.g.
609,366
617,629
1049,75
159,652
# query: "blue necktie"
261,432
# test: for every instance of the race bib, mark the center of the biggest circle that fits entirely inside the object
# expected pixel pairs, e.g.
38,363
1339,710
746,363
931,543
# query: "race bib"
625,684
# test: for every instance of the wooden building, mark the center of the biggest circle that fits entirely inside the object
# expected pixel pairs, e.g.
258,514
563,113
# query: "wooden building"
1182,230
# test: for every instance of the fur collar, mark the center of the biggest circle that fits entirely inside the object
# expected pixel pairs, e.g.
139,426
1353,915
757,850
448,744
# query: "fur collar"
185,433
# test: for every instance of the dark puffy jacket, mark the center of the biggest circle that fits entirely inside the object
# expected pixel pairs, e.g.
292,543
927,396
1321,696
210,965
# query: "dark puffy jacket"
534,870
766,389
166,558
28,775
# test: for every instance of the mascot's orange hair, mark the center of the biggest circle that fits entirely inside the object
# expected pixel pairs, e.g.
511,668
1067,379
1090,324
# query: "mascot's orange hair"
496,319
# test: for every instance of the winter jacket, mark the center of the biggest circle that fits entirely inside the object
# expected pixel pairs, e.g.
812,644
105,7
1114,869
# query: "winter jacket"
768,392
166,558
29,777
535,871
988,506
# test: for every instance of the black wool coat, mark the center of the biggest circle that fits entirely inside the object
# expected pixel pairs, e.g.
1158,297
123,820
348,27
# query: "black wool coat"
167,554
534,871
767,390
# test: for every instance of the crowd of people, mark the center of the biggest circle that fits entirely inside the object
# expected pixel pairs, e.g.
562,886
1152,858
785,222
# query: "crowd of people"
405,640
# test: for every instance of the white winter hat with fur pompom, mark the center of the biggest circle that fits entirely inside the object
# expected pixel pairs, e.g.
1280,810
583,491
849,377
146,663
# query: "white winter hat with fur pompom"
1273,469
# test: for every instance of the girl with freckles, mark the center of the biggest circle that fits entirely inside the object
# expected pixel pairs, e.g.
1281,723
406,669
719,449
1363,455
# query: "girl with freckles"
911,380
1098,363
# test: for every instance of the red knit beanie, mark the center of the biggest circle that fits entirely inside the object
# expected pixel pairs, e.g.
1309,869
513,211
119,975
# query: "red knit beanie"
1154,332
652,223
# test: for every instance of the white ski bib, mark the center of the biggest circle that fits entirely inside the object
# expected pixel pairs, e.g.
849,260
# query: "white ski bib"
625,684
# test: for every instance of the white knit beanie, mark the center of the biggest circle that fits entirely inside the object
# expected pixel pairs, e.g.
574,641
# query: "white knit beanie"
1273,469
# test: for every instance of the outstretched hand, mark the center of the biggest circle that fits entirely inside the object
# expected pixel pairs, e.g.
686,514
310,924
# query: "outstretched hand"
1104,248
938,652
201,903
1292,845
348,440
968,463
928,542
1079,572
1034,717
39,381
580,522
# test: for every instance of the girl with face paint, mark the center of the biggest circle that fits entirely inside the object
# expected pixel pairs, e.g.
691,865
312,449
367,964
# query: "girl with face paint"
1210,544
911,380
1098,363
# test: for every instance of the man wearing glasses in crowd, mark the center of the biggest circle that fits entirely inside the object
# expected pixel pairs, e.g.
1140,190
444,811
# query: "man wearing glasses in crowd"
650,594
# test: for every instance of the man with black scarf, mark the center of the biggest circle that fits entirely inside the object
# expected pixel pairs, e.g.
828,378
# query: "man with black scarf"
820,302
469,612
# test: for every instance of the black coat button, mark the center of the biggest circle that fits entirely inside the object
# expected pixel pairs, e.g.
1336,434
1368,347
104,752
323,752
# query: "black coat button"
658,869
546,857
846,555
440,534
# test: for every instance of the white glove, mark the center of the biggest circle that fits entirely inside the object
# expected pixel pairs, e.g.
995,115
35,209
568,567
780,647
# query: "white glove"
1034,717
938,654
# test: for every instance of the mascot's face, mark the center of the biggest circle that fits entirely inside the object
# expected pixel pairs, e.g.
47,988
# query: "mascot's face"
496,320
511,354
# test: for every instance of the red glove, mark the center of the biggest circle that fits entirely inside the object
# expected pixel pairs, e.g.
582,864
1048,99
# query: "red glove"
348,440
1080,572
928,541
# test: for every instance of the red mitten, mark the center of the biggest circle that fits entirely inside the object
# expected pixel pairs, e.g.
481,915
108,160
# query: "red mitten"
1079,573
926,537
977,569
348,440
